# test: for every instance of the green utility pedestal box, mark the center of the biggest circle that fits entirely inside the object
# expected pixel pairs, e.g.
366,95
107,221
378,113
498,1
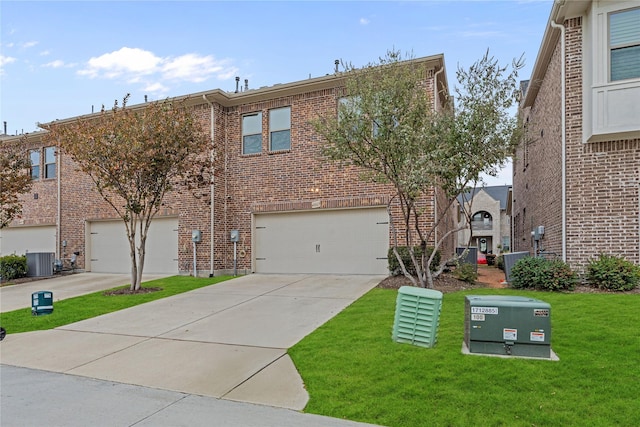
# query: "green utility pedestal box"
41,303
417,316
507,325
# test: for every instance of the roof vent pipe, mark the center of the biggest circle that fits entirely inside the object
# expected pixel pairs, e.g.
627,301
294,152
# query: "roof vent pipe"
246,84
337,62
237,83
5,127
145,98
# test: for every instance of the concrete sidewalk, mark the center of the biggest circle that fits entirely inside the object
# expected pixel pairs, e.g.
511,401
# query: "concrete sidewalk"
15,297
226,341
39,398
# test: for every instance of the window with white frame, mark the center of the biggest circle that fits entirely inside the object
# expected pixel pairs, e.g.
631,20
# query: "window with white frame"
34,155
252,133
624,44
50,162
280,129
611,78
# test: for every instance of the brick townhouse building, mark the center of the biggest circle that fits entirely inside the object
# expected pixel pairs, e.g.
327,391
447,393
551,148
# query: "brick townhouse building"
294,211
577,170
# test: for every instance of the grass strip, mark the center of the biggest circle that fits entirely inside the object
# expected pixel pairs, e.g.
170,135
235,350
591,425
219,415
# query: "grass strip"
352,369
91,305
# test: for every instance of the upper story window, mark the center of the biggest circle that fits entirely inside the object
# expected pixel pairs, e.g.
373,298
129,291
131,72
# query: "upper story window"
280,129
624,44
50,162
611,81
482,221
252,133
34,155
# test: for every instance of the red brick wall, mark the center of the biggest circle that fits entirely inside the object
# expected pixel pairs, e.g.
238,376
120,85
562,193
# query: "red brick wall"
603,179
296,179
537,166
293,179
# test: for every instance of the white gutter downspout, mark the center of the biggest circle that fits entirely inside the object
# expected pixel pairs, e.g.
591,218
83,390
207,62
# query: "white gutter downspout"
435,194
564,139
212,189
59,204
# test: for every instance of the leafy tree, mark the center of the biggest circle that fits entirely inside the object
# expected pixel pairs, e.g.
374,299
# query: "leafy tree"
135,156
388,126
15,178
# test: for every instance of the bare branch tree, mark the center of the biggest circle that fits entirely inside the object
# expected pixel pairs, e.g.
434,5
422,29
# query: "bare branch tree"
15,178
135,157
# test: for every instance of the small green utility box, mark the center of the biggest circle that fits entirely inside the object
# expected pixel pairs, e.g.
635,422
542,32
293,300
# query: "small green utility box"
41,303
417,316
507,325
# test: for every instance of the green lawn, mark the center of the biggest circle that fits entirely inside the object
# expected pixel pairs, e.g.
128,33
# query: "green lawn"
352,369
95,304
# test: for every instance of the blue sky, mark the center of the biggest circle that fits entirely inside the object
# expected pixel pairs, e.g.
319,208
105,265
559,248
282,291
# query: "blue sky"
58,59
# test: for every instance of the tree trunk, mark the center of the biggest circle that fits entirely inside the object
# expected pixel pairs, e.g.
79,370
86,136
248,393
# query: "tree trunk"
403,267
134,268
429,278
131,235
142,253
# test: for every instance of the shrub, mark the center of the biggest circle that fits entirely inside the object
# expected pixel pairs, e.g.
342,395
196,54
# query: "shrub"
500,262
542,274
491,259
403,251
13,267
466,272
613,273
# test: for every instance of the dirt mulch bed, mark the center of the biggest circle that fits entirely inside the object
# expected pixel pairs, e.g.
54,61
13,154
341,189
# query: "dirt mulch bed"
128,291
446,283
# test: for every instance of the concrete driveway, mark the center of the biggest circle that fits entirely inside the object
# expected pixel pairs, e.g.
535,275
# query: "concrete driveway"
226,341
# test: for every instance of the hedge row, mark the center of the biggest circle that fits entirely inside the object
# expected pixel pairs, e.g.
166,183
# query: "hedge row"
542,274
608,272
13,267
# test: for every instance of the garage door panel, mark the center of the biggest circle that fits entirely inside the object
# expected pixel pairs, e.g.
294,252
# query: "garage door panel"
20,240
110,247
351,241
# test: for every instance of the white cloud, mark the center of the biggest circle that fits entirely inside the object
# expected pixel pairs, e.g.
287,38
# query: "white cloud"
6,60
54,64
229,73
29,44
193,68
124,62
135,65
364,21
156,88
45,53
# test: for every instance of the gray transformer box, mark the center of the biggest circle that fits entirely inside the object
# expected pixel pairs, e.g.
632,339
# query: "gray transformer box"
507,325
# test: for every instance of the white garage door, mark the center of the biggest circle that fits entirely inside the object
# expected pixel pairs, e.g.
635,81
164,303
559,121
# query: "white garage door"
109,247
353,241
20,240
